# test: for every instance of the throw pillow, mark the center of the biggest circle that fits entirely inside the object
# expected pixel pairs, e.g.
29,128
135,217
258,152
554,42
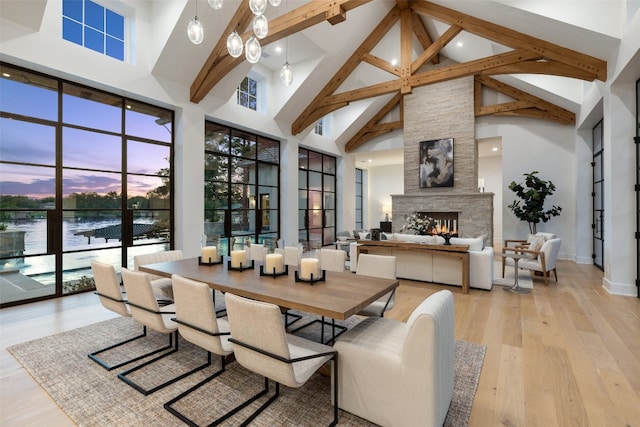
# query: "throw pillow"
535,245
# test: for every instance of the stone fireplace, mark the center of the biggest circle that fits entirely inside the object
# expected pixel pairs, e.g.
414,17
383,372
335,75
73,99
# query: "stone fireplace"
438,111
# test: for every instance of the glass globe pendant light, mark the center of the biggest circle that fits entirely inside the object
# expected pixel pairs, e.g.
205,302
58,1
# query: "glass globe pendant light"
253,50
275,3
234,44
258,6
260,26
286,74
195,32
216,4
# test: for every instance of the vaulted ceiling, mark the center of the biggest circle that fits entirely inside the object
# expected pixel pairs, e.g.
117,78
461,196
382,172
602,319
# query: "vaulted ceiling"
424,30
356,59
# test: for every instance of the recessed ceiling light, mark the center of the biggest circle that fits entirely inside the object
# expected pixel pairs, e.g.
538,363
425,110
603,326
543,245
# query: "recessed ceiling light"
6,75
459,44
369,160
278,49
494,149
394,62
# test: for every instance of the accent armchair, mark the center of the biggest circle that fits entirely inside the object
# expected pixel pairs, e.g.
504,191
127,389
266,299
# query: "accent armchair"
400,374
542,260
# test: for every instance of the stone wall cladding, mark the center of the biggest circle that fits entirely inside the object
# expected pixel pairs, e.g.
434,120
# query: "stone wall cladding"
475,211
444,110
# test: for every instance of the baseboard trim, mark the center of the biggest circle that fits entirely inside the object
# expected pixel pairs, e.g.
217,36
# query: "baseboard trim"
622,289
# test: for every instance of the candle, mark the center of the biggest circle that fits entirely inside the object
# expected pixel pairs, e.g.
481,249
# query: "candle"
209,254
238,257
309,266
274,261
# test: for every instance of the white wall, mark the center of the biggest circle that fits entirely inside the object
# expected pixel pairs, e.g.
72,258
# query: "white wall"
490,169
534,145
383,182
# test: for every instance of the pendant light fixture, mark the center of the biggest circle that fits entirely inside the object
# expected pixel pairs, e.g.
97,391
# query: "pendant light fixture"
234,44
195,30
260,26
216,4
258,6
253,50
286,72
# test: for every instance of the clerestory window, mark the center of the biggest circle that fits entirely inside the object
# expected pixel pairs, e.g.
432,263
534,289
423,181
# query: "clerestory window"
95,27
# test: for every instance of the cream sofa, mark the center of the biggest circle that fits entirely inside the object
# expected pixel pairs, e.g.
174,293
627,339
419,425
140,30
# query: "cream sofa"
433,268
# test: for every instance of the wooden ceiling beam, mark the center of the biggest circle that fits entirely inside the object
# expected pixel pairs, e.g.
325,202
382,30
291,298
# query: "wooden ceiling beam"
514,38
357,139
220,62
422,34
564,115
406,34
381,63
435,48
501,108
305,119
470,68
239,23
362,93
534,113
552,68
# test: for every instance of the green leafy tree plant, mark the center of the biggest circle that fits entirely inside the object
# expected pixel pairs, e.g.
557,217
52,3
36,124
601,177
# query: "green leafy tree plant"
533,193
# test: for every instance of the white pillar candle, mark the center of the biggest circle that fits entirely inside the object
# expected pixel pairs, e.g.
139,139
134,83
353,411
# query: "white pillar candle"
209,254
309,266
274,261
238,257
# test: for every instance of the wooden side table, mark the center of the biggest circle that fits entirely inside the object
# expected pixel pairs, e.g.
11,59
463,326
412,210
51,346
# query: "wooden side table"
515,288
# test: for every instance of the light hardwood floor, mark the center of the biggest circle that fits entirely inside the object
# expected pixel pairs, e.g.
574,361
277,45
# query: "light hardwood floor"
566,354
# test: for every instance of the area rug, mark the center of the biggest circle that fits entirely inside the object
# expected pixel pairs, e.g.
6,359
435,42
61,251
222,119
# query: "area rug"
92,396
524,277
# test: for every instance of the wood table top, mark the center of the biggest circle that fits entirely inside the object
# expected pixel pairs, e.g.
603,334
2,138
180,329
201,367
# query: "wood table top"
340,296
414,245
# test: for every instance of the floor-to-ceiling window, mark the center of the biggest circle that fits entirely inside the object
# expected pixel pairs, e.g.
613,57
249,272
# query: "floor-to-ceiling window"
84,175
598,197
316,197
242,180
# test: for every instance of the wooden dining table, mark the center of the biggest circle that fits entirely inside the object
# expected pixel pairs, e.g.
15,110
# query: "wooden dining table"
339,296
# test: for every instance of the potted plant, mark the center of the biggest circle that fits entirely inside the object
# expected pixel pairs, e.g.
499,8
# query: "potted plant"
533,193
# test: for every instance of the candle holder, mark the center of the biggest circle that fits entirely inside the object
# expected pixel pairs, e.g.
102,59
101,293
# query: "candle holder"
284,272
242,266
210,262
313,279
447,237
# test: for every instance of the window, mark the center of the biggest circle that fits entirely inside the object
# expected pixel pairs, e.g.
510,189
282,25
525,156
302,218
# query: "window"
241,187
85,174
316,197
319,127
93,26
248,93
